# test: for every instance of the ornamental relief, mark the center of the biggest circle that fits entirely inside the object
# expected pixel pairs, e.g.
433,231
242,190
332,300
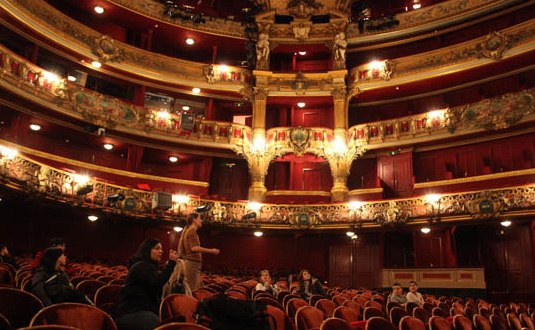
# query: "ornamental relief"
300,84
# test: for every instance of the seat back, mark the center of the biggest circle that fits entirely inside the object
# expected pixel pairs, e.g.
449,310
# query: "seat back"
278,319
201,294
374,304
370,312
181,326
107,297
513,321
439,323
497,322
293,305
461,322
481,322
308,317
326,306
271,301
526,321
379,323
339,299
421,314
396,314
81,316
439,312
18,306
178,305
410,306
346,313
334,323
391,304
89,288
411,323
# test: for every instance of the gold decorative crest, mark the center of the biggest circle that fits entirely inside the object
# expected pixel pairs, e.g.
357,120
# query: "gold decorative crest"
299,138
493,46
104,47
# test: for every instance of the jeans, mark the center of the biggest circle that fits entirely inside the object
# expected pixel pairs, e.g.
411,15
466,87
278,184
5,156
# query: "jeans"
142,320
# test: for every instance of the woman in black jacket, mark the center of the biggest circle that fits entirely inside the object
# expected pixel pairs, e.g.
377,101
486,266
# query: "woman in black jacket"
308,285
140,298
51,284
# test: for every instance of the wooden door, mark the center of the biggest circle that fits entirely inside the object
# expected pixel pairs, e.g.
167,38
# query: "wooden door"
311,179
396,174
354,265
340,266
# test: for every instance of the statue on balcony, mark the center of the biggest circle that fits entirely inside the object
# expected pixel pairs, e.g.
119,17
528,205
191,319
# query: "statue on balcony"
262,51
339,50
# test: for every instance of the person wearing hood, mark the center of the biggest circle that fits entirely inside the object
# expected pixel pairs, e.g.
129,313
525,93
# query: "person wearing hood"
140,299
51,283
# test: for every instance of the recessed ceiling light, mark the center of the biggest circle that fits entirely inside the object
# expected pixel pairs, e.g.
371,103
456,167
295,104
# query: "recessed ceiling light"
425,230
185,108
99,9
96,64
350,233
417,6
92,218
173,159
108,146
354,237
177,229
190,41
506,223
302,53
35,127
71,78
258,233
196,90
301,104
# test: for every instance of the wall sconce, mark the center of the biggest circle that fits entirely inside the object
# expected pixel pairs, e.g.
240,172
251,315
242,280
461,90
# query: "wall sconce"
259,146
433,207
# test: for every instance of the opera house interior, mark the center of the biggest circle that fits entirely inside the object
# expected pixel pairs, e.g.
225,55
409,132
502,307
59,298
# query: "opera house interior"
370,142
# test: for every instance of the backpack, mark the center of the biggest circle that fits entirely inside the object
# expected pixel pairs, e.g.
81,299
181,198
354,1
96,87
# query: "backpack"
221,312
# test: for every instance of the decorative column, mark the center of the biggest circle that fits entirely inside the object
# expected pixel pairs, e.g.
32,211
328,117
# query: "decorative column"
258,157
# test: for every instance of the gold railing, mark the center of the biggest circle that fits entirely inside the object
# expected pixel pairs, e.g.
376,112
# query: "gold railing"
22,173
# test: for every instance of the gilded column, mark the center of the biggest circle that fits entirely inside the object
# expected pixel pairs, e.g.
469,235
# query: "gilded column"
339,161
258,158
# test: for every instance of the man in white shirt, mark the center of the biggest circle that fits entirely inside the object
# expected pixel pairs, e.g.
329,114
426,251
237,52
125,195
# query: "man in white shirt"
413,295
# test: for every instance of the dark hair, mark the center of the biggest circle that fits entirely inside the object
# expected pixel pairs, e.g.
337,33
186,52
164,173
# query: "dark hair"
411,282
143,252
396,284
49,258
300,276
56,241
192,216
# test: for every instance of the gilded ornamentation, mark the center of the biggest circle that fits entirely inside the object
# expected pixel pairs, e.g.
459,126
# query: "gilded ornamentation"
339,93
260,93
300,84
209,73
388,70
104,47
485,205
493,114
299,140
303,8
301,30
493,46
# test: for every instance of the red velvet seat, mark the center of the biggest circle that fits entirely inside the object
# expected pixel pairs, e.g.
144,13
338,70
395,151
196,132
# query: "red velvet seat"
439,312
326,306
281,320
50,327
314,299
374,304
411,323
410,306
308,317
513,321
370,312
526,321
181,326
439,323
18,306
271,301
89,288
379,323
481,322
178,305
81,316
421,314
396,314
497,322
392,304
353,305
334,323
461,322
77,279
293,305
346,313
201,294
107,297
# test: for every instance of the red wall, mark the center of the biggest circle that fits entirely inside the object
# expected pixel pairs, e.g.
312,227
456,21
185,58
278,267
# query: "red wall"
311,117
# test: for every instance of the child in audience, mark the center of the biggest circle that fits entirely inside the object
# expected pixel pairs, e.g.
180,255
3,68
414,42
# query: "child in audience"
51,284
265,283
140,300
413,295
308,285
397,294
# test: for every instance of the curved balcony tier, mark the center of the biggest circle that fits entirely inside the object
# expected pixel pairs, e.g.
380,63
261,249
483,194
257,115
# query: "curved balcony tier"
21,172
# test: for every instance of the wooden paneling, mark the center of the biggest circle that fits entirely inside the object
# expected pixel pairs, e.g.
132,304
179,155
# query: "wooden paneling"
355,265
340,266
396,174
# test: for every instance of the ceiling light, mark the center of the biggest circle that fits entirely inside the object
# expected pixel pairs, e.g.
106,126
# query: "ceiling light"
302,53
350,233
173,159
505,223
177,229
35,127
301,104
92,218
185,108
196,90
425,230
354,237
417,6
190,41
108,146
258,233
96,64
355,205
99,9
71,78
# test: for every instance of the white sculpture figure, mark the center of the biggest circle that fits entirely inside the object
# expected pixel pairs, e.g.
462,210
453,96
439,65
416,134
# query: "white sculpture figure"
262,47
340,45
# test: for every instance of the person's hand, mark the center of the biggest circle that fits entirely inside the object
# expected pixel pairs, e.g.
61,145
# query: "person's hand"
173,255
215,251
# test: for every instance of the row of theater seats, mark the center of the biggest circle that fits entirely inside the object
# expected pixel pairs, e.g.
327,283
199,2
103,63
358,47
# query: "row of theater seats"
344,309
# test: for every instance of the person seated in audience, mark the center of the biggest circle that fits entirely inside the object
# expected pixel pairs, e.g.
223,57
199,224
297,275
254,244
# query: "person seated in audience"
5,257
266,283
308,285
140,299
51,284
413,295
397,294
55,242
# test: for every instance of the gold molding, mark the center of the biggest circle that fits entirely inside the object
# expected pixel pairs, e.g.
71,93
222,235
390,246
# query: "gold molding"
356,192
477,178
73,162
298,193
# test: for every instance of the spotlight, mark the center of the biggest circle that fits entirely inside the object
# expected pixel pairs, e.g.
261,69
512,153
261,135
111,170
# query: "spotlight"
203,209
249,216
350,233
35,127
258,233
416,6
96,64
85,190
426,230
506,223
190,41
177,229
92,218
99,10
115,198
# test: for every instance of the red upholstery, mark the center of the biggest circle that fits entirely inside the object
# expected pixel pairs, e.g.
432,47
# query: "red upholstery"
346,313
283,322
411,323
392,304
308,317
513,321
481,322
201,294
370,312
326,306
439,312
89,288
461,322
334,323
293,305
18,306
439,323
354,306
181,326
379,323
75,315
107,297
396,314
178,305
526,321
